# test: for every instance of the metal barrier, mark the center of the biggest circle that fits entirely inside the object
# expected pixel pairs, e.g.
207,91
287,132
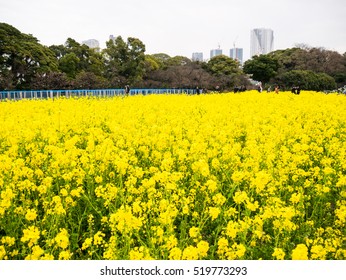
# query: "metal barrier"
45,94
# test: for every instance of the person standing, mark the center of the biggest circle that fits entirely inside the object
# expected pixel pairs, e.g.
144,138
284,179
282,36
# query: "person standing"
298,90
127,90
277,89
259,87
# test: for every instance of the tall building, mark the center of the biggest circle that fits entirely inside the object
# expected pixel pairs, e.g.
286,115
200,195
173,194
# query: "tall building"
197,56
92,44
262,41
215,52
237,54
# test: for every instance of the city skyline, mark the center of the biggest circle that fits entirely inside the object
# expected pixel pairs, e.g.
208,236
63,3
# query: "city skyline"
181,27
235,53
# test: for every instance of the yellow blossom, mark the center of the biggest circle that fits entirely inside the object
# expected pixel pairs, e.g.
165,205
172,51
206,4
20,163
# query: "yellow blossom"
202,248
31,215
214,212
279,254
190,253
62,239
65,255
87,243
318,252
240,197
31,235
300,252
194,232
175,254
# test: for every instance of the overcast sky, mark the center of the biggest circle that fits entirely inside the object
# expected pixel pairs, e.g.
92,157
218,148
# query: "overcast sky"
181,27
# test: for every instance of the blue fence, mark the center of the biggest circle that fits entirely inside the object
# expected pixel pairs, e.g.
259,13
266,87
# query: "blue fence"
44,94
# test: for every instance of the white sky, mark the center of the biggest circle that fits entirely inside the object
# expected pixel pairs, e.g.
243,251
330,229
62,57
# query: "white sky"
181,27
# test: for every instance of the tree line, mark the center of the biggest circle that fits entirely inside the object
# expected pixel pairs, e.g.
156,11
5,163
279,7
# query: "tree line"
26,64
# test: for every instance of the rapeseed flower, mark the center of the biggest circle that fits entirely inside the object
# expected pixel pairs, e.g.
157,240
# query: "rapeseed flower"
202,248
318,252
31,235
219,199
62,239
194,232
240,197
3,253
214,212
31,214
9,241
174,177
300,252
232,229
175,254
65,255
190,253
98,238
87,243
36,254
279,254
140,253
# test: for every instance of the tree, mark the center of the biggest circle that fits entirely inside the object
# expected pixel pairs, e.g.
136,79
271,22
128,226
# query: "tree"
151,63
88,80
225,71
262,67
317,60
223,65
308,80
75,58
124,61
178,61
162,59
51,80
68,64
21,58
191,75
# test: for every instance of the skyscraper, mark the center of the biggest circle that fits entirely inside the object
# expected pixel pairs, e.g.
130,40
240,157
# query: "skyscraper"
236,54
262,41
197,56
215,52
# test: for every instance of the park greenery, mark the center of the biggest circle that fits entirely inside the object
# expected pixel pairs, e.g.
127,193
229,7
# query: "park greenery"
27,64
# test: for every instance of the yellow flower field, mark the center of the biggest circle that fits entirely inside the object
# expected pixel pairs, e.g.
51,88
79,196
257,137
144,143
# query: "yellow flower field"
220,176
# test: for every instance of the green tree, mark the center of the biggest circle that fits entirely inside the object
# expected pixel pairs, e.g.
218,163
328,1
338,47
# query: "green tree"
317,60
162,59
308,80
21,58
178,61
225,70
124,61
262,67
75,58
222,65
151,63
69,65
